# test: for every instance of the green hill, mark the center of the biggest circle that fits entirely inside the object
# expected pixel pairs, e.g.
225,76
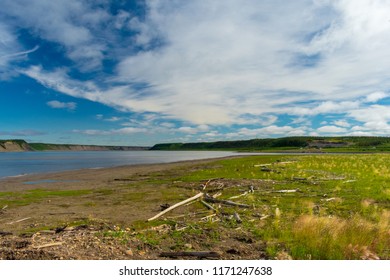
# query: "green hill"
301,143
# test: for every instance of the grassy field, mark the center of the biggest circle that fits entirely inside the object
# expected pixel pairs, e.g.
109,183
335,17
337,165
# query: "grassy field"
302,207
297,207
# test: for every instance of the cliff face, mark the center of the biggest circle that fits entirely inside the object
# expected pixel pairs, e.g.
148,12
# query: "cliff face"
14,146
21,146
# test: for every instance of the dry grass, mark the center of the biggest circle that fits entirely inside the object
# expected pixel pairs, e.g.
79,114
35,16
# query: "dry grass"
337,238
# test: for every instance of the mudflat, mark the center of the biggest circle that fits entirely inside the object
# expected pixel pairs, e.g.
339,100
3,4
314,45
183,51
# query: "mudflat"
80,214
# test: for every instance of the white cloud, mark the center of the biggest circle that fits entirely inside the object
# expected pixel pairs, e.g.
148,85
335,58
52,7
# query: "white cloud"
331,129
71,23
194,130
62,105
342,123
113,119
272,130
121,131
10,51
376,96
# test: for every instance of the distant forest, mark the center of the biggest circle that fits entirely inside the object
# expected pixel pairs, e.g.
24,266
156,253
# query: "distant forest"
305,143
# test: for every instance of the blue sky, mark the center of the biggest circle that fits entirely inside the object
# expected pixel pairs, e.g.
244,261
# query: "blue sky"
145,72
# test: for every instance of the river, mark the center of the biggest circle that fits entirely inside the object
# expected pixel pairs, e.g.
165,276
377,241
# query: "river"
22,163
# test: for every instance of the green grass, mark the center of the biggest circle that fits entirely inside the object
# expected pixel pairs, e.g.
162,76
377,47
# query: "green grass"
31,196
341,211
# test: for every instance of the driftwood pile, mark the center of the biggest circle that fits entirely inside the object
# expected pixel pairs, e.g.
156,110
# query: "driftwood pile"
207,200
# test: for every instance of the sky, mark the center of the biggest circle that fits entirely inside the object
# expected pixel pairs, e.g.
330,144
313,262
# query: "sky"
143,72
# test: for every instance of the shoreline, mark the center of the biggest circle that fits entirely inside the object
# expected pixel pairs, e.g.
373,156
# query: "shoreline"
100,176
248,201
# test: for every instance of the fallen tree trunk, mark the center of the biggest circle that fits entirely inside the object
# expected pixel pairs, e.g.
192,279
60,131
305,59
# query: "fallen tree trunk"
176,205
226,202
208,206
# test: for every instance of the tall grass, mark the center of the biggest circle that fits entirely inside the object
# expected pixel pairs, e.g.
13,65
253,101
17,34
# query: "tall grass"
336,238
342,209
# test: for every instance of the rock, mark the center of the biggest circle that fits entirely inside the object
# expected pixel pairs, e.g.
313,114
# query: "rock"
129,252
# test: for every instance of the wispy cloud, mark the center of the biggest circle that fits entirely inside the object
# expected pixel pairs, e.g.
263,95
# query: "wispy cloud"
121,131
71,106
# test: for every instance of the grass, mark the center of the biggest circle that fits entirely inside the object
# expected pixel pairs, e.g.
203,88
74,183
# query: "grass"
341,210
338,207
31,196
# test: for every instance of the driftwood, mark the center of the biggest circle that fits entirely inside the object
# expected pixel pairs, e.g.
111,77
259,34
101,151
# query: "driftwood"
192,214
48,245
203,254
226,202
216,195
286,191
237,217
208,217
176,205
18,221
349,181
5,207
237,196
208,206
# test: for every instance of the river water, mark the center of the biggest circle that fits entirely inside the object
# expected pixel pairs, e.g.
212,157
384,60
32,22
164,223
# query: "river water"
21,163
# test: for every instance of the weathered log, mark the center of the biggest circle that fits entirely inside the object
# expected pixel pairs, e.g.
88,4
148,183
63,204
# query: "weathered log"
203,254
18,221
176,205
237,196
237,217
226,202
48,245
208,205
286,191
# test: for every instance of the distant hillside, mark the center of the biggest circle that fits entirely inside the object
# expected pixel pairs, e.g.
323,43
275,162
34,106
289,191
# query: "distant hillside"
16,145
304,143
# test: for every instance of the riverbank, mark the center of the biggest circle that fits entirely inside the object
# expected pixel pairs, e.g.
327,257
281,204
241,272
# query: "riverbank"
284,206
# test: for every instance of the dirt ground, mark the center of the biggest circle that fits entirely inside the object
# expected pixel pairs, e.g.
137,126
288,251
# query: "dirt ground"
106,203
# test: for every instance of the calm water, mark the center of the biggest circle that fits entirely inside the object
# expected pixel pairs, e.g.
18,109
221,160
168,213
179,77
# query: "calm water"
15,164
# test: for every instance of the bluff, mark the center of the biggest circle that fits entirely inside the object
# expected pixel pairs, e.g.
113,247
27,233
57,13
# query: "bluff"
21,146
14,146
